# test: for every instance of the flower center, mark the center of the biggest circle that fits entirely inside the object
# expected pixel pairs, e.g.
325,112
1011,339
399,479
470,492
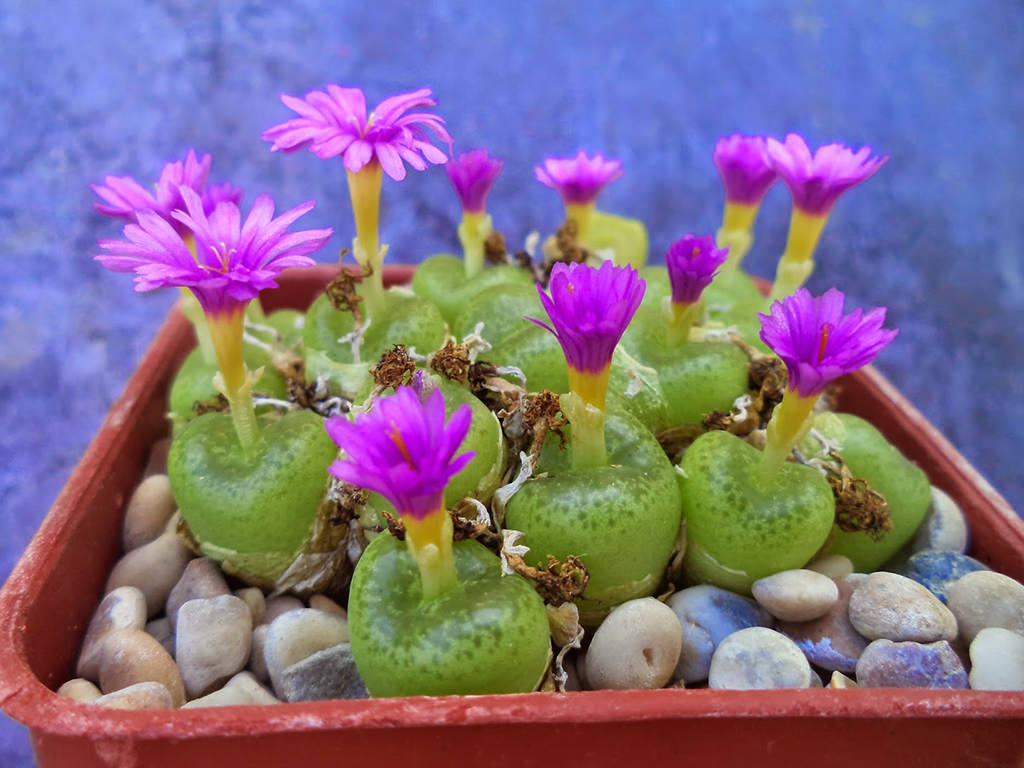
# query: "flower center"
826,329
396,438
222,255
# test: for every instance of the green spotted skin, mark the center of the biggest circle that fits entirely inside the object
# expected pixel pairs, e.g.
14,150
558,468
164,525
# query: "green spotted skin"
502,309
621,520
626,237
441,280
905,486
733,299
487,635
537,353
261,506
741,527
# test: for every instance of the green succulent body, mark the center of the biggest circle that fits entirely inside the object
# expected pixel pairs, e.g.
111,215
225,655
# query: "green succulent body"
625,236
441,279
489,634
742,525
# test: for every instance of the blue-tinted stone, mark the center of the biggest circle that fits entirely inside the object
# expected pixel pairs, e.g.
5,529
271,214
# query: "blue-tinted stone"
938,569
885,664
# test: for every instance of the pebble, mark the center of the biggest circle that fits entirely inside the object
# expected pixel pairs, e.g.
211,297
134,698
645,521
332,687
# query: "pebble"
839,680
257,660
138,696
257,603
831,642
149,508
257,692
212,642
944,527
162,632
637,646
80,689
937,570
276,606
132,656
708,615
157,464
997,660
327,674
892,607
885,664
758,658
122,608
796,595
836,567
987,599
201,579
298,634
240,690
324,603
153,568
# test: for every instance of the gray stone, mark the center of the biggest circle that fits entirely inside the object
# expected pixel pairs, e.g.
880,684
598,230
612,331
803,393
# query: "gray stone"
257,659
893,607
997,660
758,658
885,664
212,642
162,631
796,595
122,608
280,605
201,579
987,599
327,674
636,646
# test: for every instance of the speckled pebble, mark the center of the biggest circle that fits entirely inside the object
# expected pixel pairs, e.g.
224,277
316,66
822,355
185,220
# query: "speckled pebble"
796,595
327,674
138,696
162,631
212,642
708,615
298,634
122,608
839,680
80,689
276,606
885,664
153,568
893,607
637,646
937,570
132,656
201,579
758,658
830,642
257,603
997,660
944,527
836,567
987,599
324,603
150,507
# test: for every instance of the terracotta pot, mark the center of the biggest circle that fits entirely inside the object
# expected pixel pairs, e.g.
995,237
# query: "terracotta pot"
46,604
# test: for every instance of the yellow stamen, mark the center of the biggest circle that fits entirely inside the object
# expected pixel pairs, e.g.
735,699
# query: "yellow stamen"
823,341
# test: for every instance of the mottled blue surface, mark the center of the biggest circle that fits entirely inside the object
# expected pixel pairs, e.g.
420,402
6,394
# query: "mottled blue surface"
90,88
938,570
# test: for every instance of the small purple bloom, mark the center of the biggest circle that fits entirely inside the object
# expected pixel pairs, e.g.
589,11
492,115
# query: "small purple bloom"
578,180
233,261
744,167
816,181
817,343
335,123
124,197
589,310
473,175
692,263
403,450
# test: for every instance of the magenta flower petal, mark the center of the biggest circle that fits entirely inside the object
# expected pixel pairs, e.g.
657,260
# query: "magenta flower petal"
589,310
335,124
578,180
233,260
123,197
473,174
692,263
743,164
816,181
818,343
403,450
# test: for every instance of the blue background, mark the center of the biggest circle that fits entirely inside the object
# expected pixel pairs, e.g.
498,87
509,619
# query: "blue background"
93,88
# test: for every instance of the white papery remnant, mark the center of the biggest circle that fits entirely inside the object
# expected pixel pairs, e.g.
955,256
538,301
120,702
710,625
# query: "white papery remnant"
509,546
354,339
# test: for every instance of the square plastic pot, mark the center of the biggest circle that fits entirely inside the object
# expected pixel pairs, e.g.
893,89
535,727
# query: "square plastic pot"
46,604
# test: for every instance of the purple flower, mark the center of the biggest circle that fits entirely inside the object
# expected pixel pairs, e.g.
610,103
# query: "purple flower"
473,175
578,179
816,181
744,167
125,197
691,264
233,261
589,310
403,450
335,123
817,343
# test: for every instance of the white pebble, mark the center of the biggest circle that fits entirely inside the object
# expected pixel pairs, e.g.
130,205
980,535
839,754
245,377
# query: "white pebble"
80,689
944,527
298,634
836,567
153,568
149,508
257,603
796,595
212,642
138,696
892,607
122,608
997,660
758,658
986,599
637,646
